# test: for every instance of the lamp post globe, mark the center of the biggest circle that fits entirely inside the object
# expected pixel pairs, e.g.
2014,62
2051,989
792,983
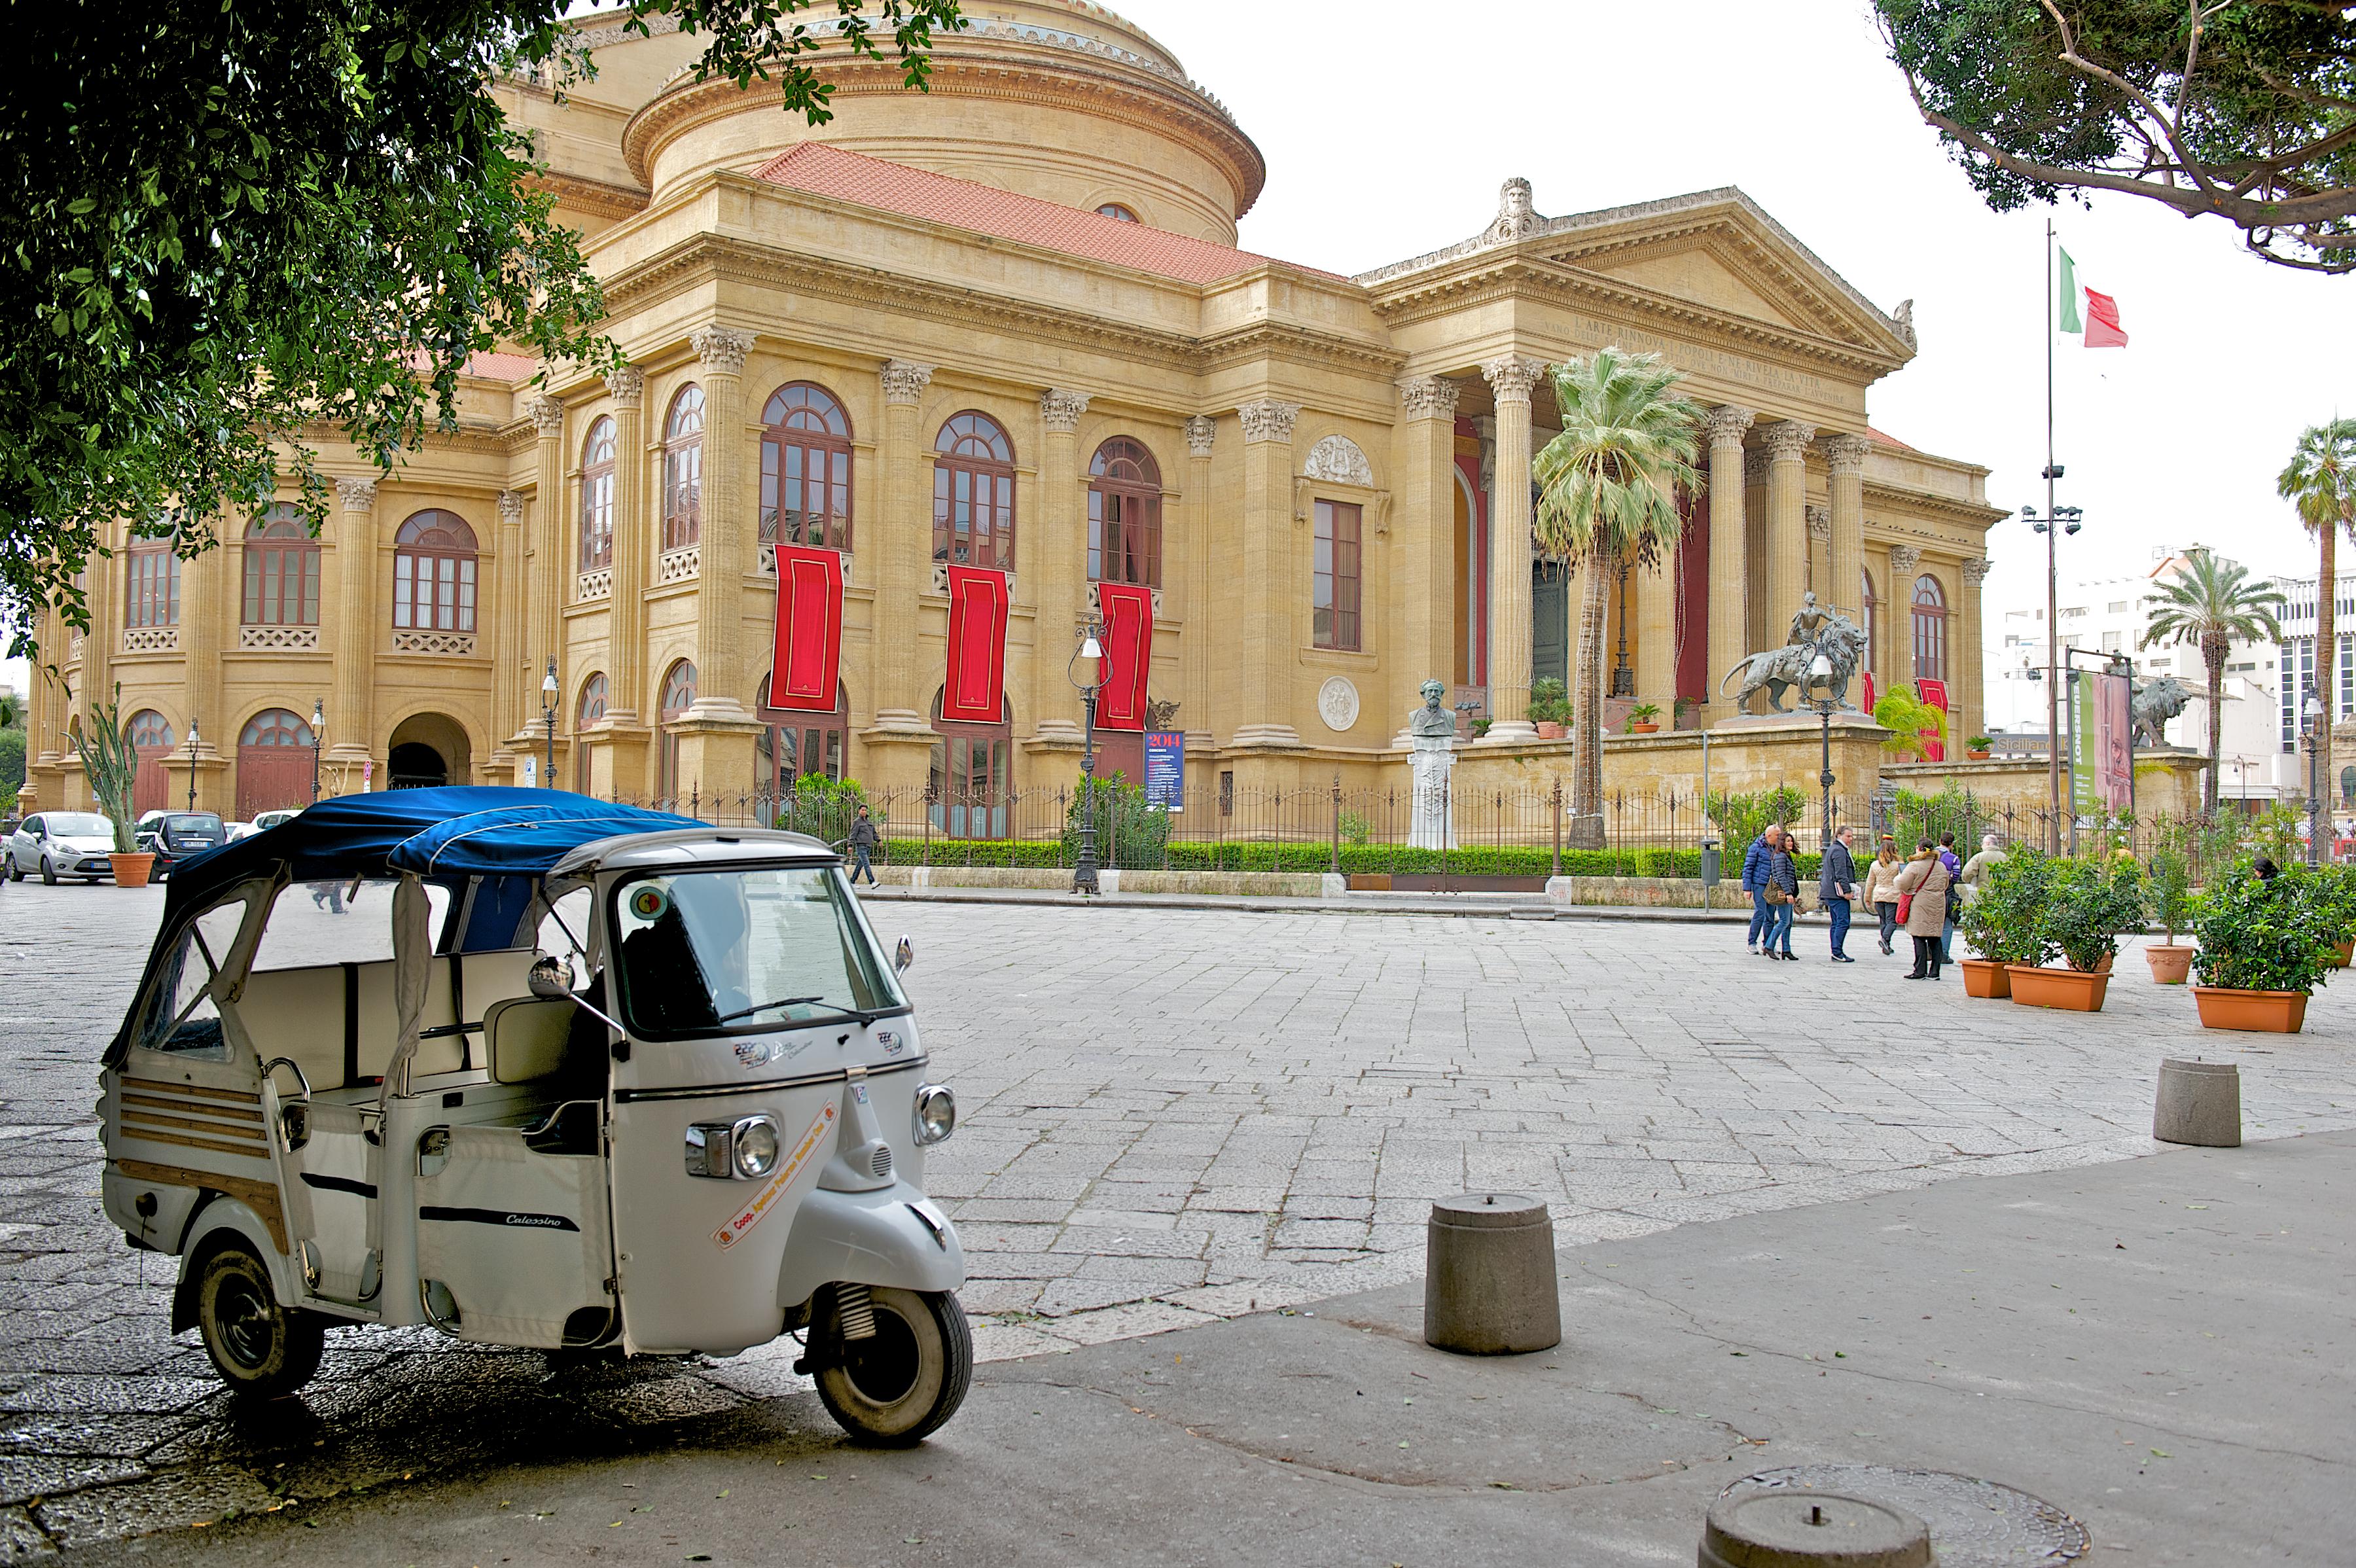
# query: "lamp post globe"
1087,673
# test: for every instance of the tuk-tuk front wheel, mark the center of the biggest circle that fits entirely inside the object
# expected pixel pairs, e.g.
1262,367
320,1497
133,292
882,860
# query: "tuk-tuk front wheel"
893,1388
260,1348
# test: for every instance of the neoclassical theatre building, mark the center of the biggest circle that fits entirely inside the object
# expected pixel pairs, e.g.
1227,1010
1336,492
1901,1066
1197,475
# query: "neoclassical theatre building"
1005,323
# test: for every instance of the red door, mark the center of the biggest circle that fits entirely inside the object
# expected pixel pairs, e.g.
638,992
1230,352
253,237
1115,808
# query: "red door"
274,763
151,740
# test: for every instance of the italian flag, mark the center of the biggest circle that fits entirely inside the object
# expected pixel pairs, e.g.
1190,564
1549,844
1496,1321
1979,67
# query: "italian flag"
2102,323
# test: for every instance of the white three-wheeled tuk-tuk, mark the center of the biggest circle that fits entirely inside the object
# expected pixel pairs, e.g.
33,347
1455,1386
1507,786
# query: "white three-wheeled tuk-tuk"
538,1070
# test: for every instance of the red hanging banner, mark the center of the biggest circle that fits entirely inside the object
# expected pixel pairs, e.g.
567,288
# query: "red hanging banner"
1933,694
806,662
1128,640
975,690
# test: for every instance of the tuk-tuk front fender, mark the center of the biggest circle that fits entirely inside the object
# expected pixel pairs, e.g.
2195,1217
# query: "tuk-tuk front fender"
894,1236
220,1224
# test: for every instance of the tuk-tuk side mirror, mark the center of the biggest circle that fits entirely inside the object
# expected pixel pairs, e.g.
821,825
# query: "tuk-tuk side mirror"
903,956
551,979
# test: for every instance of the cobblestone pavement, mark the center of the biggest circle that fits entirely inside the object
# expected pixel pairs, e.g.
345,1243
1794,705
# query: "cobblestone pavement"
1168,1116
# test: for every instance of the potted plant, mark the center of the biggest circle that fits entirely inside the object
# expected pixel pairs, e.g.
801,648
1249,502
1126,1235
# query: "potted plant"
1645,718
2001,923
110,763
2266,945
2085,905
2338,890
1678,710
1977,749
1550,708
2167,899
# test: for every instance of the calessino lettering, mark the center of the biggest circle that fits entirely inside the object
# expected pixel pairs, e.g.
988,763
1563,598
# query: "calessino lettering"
546,1221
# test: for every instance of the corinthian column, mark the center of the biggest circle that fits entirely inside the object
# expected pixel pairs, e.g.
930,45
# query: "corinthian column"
1203,622
1511,379
1728,570
1967,693
508,637
545,553
1423,584
1787,523
902,553
626,696
1055,570
1844,457
1271,589
357,621
720,677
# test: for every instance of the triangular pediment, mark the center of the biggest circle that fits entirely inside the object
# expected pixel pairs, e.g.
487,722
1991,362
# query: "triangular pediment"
1694,274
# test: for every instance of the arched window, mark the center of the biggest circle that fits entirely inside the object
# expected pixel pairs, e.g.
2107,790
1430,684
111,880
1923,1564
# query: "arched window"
151,737
1872,607
151,585
1930,630
1116,212
282,570
805,469
973,494
683,469
275,764
597,498
973,771
2347,783
798,743
677,696
434,574
591,708
1125,515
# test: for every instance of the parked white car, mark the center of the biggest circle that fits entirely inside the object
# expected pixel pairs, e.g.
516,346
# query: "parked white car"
62,843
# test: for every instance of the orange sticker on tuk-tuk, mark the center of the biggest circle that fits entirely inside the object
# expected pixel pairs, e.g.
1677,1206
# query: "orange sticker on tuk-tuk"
736,1230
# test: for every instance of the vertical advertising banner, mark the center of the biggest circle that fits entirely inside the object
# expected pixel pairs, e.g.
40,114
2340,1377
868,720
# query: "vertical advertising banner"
1165,771
974,689
807,653
1933,694
1128,640
2102,757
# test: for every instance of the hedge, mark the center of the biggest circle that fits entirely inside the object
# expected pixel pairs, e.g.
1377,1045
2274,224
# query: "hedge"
1477,860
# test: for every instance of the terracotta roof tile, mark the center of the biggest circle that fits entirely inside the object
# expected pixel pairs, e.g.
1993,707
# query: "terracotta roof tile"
1882,438
497,367
824,171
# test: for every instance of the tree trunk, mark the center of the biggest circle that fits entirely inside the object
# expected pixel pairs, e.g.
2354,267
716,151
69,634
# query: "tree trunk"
1587,773
2326,660
2213,654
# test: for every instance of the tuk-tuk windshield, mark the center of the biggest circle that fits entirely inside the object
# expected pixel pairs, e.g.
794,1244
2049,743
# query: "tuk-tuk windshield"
731,950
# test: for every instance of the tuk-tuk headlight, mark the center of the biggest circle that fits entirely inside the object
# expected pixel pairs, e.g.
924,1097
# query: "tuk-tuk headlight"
757,1147
936,1113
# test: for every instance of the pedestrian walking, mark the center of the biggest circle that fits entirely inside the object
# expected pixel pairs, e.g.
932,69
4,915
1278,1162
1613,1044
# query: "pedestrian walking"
863,839
1978,869
1783,895
1881,889
1954,899
1754,881
1837,887
1922,900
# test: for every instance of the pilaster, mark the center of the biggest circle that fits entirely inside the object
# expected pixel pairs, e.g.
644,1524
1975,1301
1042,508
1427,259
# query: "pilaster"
1510,380
357,625
722,680
1787,530
1197,606
1966,692
207,598
1270,586
899,743
636,519
508,634
543,566
1728,567
1056,568
1422,581
1845,555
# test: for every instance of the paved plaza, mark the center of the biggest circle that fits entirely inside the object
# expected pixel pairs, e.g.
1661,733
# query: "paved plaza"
1170,1116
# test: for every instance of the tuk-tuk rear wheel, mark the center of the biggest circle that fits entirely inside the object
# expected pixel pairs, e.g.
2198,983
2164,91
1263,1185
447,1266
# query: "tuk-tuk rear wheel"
895,1389
259,1347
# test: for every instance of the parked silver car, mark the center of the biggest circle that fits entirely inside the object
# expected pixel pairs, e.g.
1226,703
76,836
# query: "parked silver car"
62,843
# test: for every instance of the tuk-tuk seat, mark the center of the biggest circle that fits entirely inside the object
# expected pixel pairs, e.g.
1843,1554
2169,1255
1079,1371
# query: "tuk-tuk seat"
296,1013
528,1037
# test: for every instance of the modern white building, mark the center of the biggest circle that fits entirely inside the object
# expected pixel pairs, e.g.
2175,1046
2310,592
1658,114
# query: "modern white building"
2107,614
2294,674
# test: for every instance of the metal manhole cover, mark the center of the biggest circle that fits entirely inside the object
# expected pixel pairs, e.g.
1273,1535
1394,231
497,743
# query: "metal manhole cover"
1973,1523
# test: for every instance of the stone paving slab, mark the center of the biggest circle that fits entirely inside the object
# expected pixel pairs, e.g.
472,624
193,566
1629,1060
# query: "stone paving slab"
1169,1115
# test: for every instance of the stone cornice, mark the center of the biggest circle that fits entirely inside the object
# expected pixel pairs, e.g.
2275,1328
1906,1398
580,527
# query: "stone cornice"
1948,509
1007,71
597,198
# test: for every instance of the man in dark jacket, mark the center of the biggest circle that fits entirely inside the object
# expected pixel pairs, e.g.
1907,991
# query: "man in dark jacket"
1754,881
863,839
1836,885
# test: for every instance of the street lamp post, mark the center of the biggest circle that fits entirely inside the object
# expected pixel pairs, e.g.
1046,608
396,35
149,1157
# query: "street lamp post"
2314,712
1089,682
192,764
547,717
2067,518
318,727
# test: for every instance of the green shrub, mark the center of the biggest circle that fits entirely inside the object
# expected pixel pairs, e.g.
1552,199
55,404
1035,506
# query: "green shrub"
2167,890
2001,923
1910,720
2260,935
1548,702
1742,818
1129,831
2085,907
821,807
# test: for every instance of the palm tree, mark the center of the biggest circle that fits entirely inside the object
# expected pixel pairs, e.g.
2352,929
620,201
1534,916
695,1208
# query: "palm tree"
2321,483
2211,605
1609,488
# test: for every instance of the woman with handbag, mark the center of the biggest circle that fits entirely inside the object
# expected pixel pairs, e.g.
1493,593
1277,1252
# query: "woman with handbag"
1783,898
1923,908
1881,889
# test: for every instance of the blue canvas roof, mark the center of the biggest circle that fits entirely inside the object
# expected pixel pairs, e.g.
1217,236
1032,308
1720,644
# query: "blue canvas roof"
459,832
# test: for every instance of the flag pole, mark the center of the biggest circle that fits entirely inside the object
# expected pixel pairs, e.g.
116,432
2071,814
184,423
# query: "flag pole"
2052,585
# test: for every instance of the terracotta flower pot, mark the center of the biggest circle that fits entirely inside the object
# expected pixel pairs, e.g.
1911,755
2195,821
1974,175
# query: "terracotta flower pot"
2346,951
2105,967
1985,977
131,870
1976,755
1643,727
2070,990
2170,963
2263,1012
1549,730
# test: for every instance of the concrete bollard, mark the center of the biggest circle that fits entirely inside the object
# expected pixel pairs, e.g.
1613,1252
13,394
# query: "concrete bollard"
1488,1282
2200,1102
1795,1529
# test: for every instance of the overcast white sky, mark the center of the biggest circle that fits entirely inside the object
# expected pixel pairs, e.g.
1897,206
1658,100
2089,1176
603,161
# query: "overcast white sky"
1388,126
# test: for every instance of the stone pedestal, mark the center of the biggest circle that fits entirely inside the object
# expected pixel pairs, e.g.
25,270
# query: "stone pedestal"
2199,1104
1432,823
1489,1283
